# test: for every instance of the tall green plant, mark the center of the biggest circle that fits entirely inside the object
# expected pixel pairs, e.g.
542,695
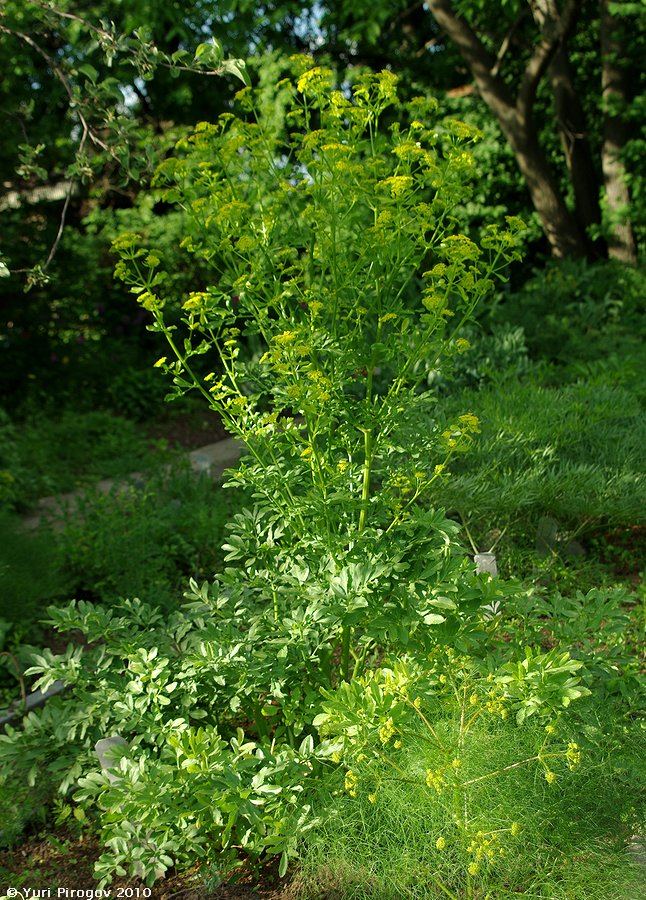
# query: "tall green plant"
333,253
332,245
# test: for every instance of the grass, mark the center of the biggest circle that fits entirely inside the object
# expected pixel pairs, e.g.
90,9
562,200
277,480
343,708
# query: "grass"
144,540
46,456
398,837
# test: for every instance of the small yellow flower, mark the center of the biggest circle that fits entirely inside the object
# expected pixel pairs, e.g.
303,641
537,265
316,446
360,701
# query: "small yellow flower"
246,243
515,829
550,777
287,337
440,843
314,79
350,783
149,301
386,731
372,798
573,754
470,422
126,241
160,362
435,780
398,184
473,869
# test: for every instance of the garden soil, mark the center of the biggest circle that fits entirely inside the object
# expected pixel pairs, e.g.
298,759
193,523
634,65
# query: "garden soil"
58,862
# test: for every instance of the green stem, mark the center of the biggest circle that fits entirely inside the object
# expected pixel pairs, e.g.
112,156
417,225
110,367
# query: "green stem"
345,651
517,765
367,471
360,661
443,888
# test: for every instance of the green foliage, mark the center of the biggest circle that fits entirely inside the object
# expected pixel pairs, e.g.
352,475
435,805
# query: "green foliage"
577,313
10,467
337,558
55,455
165,683
144,539
30,572
345,638
574,453
319,244
437,794
598,627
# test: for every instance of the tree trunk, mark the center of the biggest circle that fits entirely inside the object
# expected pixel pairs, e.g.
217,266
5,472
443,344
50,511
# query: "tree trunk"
621,240
515,117
572,127
560,227
576,148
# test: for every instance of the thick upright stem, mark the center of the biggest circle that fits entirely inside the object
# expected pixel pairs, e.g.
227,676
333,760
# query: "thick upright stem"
367,472
346,635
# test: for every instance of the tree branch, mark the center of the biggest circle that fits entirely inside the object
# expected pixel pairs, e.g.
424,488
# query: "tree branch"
554,32
109,36
506,42
481,62
60,75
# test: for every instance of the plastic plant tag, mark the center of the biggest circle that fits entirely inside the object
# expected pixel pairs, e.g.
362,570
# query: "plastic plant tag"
103,750
486,562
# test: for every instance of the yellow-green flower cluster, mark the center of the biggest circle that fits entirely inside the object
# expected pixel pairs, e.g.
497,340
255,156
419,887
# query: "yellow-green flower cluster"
322,387
470,423
126,241
463,131
397,184
484,847
573,754
350,783
435,779
315,80
435,302
496,703
150,302
458,248
387,730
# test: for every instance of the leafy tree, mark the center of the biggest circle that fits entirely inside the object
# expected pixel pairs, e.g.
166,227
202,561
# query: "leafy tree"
513,51
562,80
85,125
